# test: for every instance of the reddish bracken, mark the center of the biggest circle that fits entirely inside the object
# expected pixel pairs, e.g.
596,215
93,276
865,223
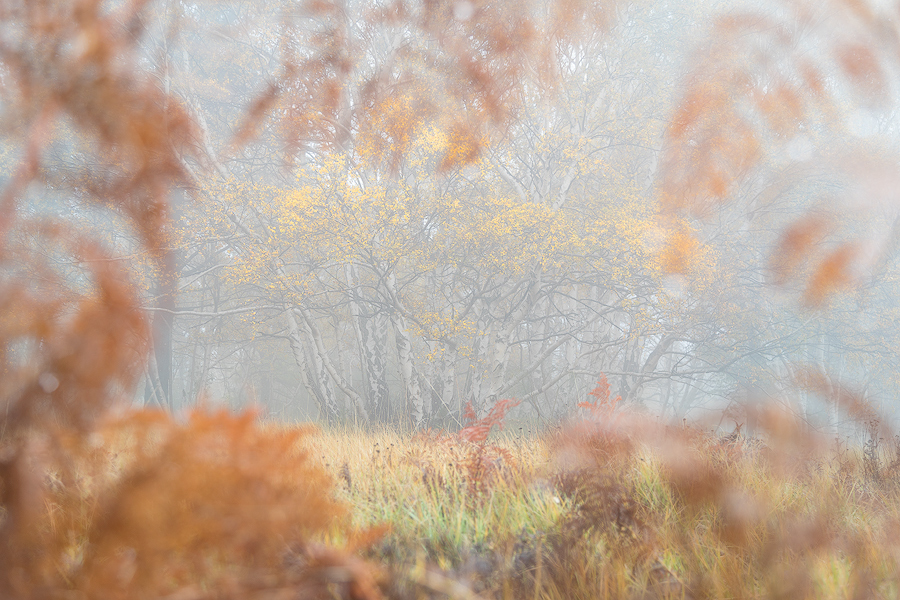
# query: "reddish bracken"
477,430
602,407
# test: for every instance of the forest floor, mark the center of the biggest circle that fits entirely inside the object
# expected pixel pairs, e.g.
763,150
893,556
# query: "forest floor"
215,505
583,512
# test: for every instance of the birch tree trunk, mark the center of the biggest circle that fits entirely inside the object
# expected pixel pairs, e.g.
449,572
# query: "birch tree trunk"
420,407
324,367
318,390
502,341
371,337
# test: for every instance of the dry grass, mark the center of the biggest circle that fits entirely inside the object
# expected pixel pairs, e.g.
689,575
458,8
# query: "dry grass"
628,512
221,506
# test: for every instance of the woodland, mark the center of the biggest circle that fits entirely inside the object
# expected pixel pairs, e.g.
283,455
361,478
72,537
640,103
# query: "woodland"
401,299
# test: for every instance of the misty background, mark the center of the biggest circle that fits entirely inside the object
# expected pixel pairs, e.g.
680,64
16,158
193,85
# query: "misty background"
364,277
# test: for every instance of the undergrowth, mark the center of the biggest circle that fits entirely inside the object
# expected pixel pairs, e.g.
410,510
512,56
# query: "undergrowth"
614,506
609,505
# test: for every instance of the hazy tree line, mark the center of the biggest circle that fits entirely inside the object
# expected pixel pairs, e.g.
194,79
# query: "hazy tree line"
350,282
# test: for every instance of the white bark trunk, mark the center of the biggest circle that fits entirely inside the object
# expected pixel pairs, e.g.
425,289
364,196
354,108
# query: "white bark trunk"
371,332
501,343
324,368
321,394
420,408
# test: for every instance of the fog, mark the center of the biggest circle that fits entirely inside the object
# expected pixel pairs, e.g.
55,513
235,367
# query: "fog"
388,217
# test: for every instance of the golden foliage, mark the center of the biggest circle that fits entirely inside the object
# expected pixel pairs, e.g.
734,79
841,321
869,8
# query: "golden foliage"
679,252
